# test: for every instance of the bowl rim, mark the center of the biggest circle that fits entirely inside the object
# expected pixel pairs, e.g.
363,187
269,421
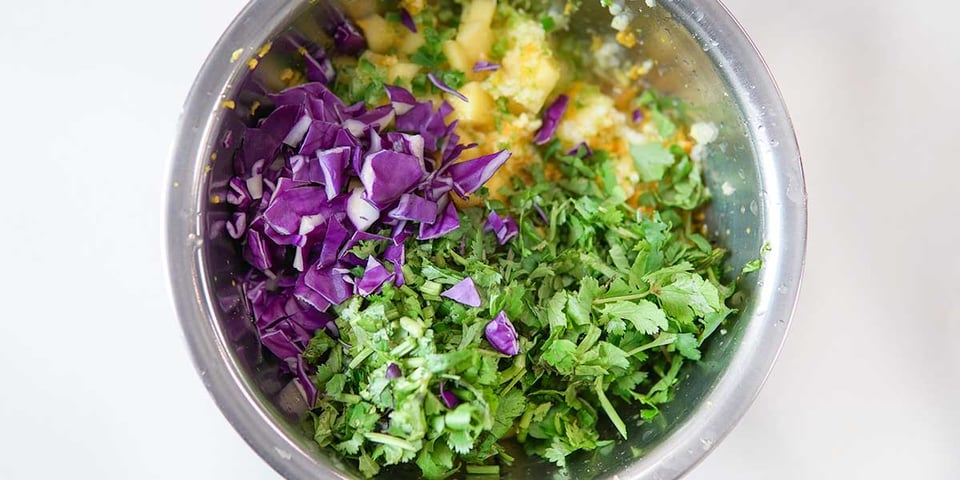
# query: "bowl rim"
738,62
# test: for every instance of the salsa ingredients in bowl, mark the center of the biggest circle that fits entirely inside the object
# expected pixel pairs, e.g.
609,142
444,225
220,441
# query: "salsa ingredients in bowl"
457,241
456,268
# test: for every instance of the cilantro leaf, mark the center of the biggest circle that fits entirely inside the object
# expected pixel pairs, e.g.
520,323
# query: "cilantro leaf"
651,161
619,257
435,460
752,266
689,295
664,125
557,453
555,315
561,355
612,356
644,315
511,406
687,346
579,310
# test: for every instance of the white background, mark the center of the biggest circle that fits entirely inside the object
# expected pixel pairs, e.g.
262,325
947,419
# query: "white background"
97,383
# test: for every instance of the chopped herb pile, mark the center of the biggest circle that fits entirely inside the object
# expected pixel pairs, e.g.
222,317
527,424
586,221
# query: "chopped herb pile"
434,303
607,303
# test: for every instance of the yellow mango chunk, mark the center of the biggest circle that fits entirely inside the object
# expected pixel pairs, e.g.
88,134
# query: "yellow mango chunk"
378,32
474,34
479,11
403,71
478,112
457,56
411,42
528,72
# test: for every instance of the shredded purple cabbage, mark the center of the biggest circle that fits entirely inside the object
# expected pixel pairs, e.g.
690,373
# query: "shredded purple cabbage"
450,400
309,390
446,223
551,119
469,176
582,150
540,213
485,66
464,292
315,177
393,371
407,20
374,276
347,38
502,335
504,228
415,208
446,88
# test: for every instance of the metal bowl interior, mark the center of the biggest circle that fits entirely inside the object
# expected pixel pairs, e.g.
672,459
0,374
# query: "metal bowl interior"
753,170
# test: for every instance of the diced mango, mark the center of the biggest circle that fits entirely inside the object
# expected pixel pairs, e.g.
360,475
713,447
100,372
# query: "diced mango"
476,40
378,32
528,72
478,112
474,33
545,77
457,56
411,42
479,11
403,71
592,119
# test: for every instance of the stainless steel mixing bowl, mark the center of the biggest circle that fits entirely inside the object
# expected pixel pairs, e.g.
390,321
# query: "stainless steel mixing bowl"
754,171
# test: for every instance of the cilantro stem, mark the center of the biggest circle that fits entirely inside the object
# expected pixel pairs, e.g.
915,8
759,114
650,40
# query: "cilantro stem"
624,233
609,410
665,338
513,382
348,398
618,298
483,470
390,440
556,393
366,352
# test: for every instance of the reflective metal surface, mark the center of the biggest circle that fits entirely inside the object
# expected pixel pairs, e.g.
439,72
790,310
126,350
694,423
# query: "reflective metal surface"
753,171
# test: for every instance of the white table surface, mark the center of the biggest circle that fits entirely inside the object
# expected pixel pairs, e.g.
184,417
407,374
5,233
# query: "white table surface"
98,383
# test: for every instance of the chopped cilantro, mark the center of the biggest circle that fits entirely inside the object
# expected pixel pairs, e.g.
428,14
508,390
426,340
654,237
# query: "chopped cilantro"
453,78
664,125
548,23
651,161
607,302
430,54
362,82
499,48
